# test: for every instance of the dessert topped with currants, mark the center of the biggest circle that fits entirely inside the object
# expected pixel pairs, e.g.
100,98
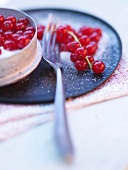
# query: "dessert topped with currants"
15,34
82,45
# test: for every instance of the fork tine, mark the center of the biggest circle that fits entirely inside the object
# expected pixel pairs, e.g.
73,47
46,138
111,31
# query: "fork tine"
57,52
44,45
51,42
49,54
44,40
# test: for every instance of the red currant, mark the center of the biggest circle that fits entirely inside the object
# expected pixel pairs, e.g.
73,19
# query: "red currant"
95,37
68,39
15,36
81,53
1,33
72,46
84,40
40,31
20,26
93,43
1,20
79,34
40,26
81,65
90,58
73,57
30,28
10,45
20,32
12,19
98,31
29,33
22,41
24,21
98,67
8,34
8,26
62,33
69,28
2,37
86,30
91,50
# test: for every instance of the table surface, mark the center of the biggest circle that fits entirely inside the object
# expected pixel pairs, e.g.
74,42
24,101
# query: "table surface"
99,132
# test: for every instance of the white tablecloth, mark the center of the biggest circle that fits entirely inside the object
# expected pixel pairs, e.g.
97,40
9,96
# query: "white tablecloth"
99,132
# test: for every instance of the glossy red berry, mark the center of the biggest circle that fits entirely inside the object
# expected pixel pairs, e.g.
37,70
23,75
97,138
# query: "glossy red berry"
10,45
22,41
90,58
98,31
68,39
20,26
24,21
8,26
40,34
15,36
84,40
1,20
8,34
40,31
12,19
91,50
69,28
72,46
86,30
31,28
79,34
1,33
73,57
20,32
98,67
62,33
81,65
95,37
94,44
29,33
2,37
81,53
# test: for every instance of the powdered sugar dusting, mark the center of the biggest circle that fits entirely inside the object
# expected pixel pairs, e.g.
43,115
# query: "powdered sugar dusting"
103,43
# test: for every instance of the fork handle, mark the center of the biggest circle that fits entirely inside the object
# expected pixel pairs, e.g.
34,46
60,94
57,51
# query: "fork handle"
61,126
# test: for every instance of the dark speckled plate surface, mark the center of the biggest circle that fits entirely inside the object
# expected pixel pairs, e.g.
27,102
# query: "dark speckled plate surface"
39,87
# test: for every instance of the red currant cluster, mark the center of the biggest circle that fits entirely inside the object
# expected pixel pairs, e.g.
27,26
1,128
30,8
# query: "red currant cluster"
15,34
82,45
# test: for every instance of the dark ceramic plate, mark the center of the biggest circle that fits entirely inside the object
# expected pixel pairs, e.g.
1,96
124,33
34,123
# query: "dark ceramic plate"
39,87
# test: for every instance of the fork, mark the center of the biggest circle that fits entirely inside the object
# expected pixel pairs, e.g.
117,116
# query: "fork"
50,51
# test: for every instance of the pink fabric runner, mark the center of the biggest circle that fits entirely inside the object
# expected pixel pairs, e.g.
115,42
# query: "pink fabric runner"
16,119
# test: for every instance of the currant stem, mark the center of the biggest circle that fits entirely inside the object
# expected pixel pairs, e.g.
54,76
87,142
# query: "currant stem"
90,65
75,37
